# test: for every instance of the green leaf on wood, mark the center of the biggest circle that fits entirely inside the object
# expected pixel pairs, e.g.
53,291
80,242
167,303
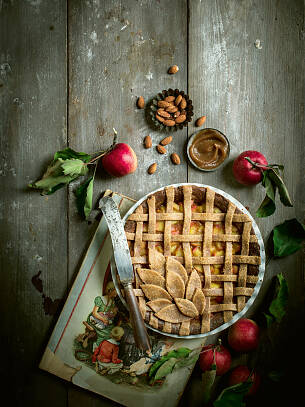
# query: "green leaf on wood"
288,237
84,195
278,306
68,153
74,167
53,179
233,396
277,180
266,208
272,181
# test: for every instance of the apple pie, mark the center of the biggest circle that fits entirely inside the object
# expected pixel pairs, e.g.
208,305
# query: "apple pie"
196,259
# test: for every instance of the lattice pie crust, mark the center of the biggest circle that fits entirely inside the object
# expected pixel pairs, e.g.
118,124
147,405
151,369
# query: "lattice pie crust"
195,258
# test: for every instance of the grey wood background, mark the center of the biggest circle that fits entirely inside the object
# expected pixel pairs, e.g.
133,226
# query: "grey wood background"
70,72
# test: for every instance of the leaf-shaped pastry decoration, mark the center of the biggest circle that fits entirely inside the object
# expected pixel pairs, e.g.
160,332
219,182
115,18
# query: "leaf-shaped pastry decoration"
193,283
174,284
199,300
151,277
174,265
171,314
156,260
154,292
157,305
186,307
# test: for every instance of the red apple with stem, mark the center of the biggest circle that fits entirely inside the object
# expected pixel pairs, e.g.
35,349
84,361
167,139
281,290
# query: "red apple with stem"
241,374
248,167
215,354
243,336
120,160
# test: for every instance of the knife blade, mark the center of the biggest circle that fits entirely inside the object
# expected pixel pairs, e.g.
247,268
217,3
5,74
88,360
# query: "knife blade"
125,268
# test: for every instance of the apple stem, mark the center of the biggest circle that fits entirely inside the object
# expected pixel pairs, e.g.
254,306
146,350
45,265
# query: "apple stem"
261,166
115,137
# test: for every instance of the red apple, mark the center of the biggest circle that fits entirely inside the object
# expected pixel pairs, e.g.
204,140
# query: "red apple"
121,160
222,359
241,374
245,172
243,336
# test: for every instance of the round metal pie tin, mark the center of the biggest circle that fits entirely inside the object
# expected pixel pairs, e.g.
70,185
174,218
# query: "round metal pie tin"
260,276
190,158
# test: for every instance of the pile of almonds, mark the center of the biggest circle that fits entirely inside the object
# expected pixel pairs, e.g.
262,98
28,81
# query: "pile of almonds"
171,110
161,150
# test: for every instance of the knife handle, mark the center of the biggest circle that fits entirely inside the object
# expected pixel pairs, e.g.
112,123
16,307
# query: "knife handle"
139,328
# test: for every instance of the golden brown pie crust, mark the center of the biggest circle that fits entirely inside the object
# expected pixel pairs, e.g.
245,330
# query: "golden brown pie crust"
173,296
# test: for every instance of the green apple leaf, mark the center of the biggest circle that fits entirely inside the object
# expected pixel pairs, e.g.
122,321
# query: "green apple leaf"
84,195
278,306
266,208
233,396
277,180
208,380
288,237
68,153
165,368
74,167
53,179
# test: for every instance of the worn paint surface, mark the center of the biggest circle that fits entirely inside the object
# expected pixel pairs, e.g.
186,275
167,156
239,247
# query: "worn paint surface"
70,72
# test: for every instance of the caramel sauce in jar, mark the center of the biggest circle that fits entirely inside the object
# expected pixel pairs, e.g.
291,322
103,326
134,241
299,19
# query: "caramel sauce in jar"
209,149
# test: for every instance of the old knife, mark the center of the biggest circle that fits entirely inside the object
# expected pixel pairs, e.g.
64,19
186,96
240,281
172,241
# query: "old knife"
125,269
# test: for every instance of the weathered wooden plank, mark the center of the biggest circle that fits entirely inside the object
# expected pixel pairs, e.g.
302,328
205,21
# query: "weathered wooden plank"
33,228
255,96
119,51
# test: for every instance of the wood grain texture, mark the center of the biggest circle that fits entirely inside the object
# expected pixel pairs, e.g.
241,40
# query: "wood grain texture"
119,51
33,228
254,96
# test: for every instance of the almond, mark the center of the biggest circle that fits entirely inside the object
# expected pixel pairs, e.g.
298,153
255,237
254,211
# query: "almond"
176,114
169,122
175,159
147,142
200,121
171,109
183,103
181,118
162,103
141,102
166,141
163,113
152,168
161,149
183,112
178,100
161,119
173,69
169,99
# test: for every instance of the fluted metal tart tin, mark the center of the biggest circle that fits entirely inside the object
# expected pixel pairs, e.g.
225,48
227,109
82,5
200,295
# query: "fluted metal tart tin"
260,276
153,107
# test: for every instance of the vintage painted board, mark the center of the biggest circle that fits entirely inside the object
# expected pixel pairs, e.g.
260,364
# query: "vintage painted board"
92,343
